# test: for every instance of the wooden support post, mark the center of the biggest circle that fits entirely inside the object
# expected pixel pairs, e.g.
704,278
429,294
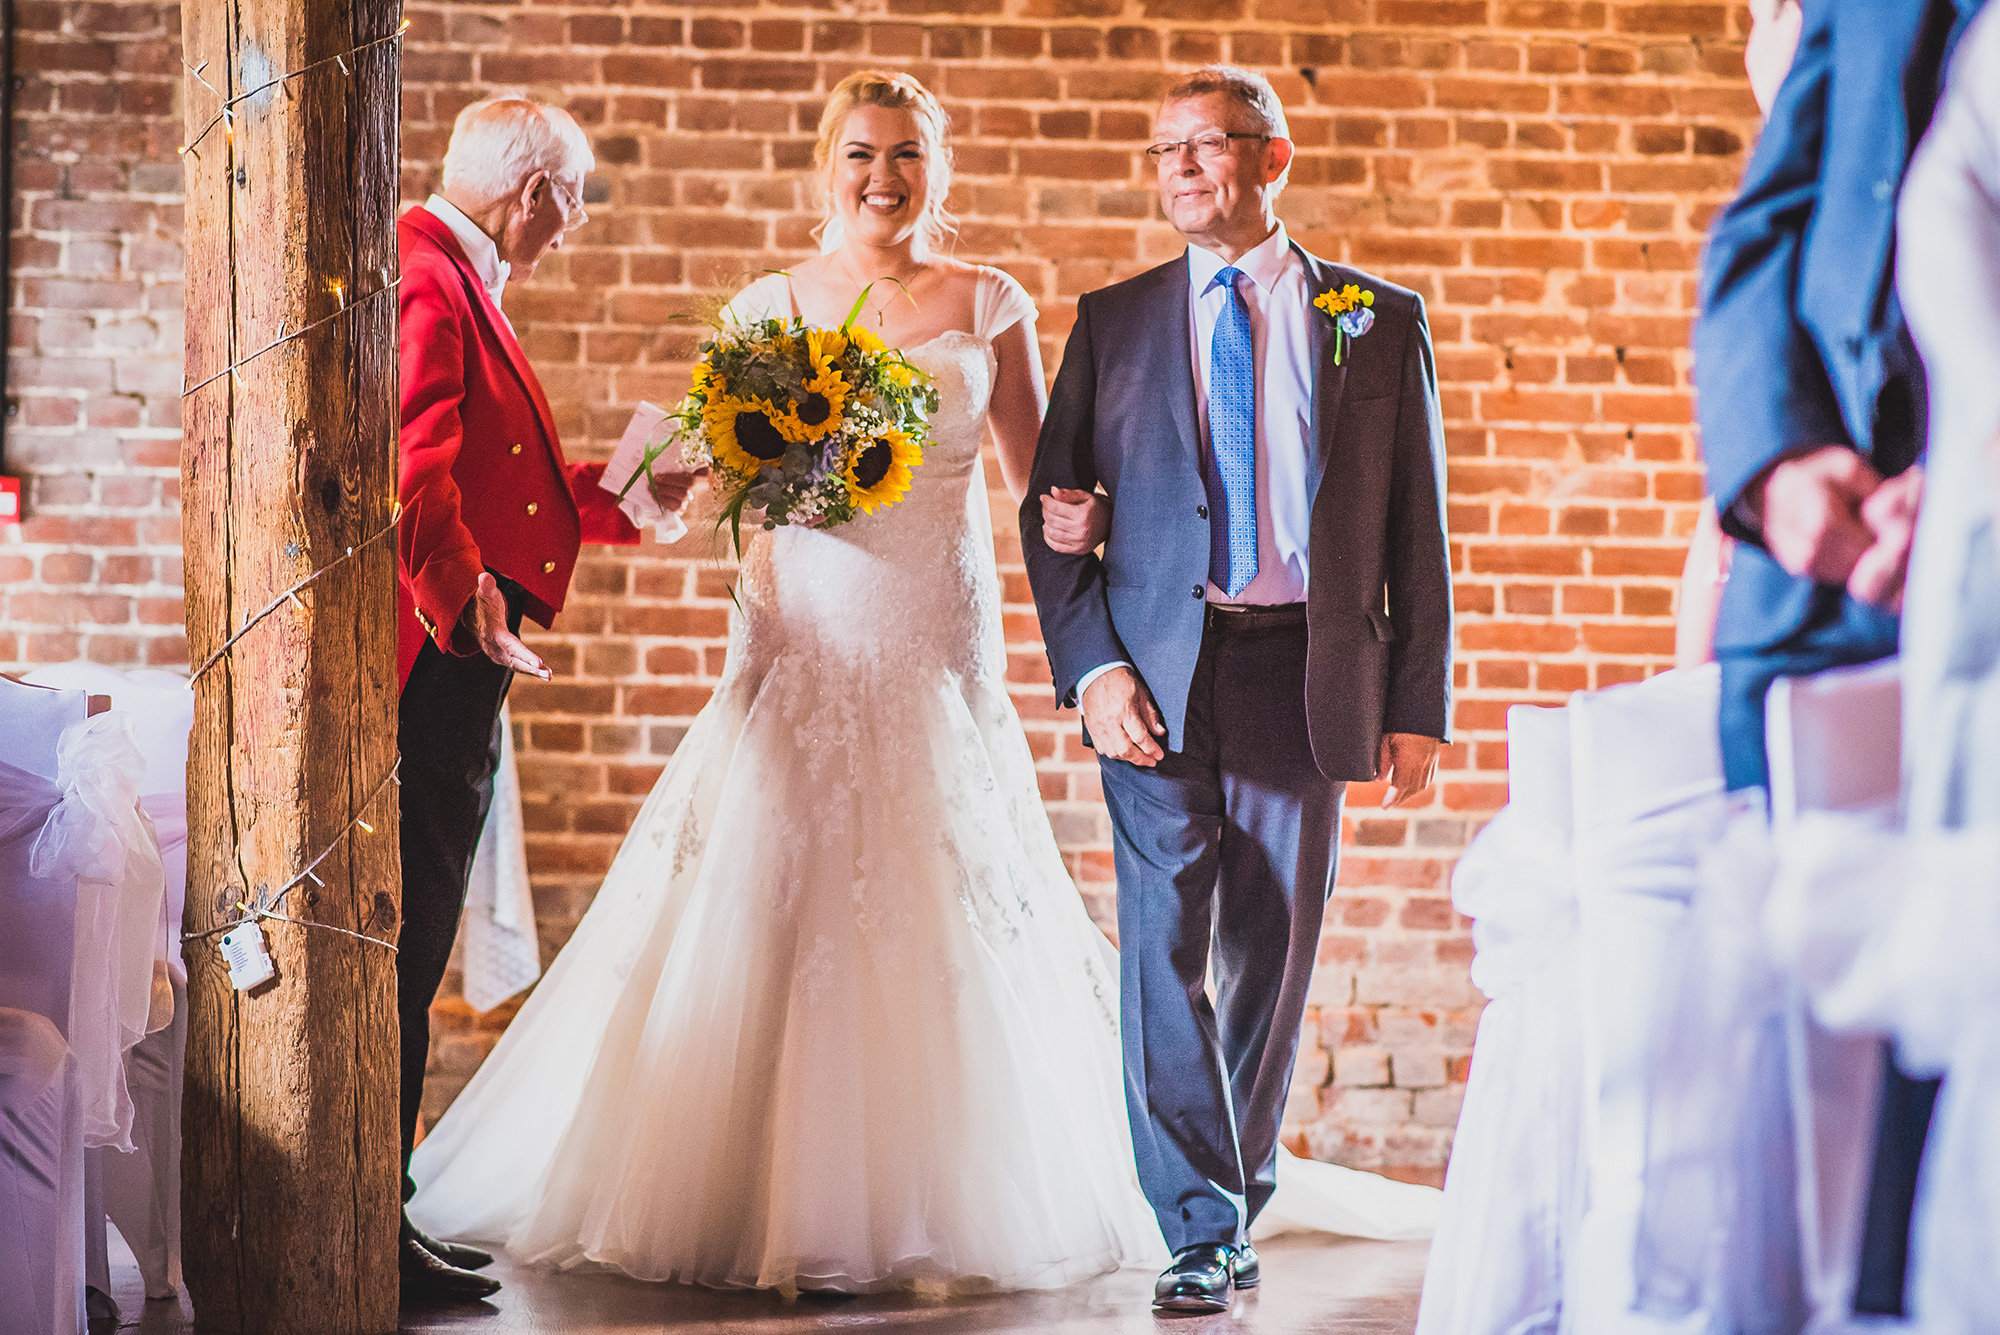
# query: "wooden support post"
290,1165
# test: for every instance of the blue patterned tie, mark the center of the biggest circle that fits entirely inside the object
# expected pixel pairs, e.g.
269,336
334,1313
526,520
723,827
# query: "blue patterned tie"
1232,439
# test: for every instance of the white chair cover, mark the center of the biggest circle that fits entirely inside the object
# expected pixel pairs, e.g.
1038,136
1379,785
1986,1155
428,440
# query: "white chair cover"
1897,932
1647,773
1514,1187
1835,745
41,1180
1718,1227
141,1190
502,954
41,1128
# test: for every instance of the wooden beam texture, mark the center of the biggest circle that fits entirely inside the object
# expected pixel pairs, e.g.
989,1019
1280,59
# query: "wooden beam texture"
290,1165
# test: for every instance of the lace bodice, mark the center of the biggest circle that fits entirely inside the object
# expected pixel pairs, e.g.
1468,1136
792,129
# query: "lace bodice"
912,585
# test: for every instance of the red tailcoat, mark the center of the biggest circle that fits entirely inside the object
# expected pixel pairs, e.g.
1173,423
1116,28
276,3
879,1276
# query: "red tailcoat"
484,484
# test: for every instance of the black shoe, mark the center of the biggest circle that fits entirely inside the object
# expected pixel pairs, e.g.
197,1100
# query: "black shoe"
1198,1280
1243,1271
451,1253
427,1278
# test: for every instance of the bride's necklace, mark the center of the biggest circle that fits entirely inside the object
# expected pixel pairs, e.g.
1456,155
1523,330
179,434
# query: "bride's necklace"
886,287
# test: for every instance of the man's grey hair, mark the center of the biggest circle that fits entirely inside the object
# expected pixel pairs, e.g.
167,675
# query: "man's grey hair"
1251,90
500,142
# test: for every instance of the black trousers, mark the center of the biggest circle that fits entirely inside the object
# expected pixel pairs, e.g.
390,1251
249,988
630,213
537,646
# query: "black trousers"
449,733
1904,1125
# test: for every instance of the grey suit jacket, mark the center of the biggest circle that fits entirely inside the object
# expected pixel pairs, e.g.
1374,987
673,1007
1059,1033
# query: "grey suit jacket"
1379,613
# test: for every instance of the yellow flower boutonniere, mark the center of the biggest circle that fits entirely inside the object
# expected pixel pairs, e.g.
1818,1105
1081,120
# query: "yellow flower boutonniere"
1349,307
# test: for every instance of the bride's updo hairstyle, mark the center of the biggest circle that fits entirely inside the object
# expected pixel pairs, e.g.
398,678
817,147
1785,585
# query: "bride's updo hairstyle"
899,92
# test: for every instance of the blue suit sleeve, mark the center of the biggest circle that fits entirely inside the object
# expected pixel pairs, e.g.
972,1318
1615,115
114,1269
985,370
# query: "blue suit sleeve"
1069,590
1763,389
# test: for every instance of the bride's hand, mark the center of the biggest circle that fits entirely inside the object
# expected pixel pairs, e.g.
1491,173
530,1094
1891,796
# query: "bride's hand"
671,490
1075,522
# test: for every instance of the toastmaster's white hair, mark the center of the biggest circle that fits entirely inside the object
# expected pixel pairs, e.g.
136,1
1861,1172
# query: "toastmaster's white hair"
500,142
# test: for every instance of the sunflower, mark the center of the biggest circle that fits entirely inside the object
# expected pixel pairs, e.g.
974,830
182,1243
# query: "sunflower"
816,411
743,434
864,338
826,347
879,472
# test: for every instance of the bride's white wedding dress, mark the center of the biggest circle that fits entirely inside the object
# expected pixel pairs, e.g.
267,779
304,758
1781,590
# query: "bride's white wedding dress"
837,1017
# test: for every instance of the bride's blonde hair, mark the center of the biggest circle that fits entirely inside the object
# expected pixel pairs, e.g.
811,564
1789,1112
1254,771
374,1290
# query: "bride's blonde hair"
898,92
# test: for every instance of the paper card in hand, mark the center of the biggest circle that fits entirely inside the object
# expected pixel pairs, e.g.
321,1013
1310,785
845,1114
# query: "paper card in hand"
629,458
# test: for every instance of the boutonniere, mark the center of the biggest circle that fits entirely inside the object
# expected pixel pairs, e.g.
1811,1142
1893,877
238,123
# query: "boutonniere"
1349,307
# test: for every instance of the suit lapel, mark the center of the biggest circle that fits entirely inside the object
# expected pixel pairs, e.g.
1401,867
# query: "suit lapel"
1170,314
497,327
1329,380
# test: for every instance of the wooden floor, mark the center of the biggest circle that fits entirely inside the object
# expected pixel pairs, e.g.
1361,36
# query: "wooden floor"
1313,1285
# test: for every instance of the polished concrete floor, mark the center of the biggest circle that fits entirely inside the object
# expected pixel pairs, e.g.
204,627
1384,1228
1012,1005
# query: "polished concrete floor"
1313,1285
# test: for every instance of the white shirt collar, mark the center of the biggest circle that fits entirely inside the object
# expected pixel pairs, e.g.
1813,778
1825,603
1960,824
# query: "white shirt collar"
1264,264
478,246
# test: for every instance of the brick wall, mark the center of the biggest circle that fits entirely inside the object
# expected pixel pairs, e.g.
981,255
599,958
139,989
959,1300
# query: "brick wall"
94,370
1542,172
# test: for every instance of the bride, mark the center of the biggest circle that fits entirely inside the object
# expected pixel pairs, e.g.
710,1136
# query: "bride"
837,1018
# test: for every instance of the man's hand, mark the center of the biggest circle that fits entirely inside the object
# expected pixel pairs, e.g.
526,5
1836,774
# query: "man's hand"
1124,722
1409,763
672,490
486,616
1075,522
1809,507
1891,515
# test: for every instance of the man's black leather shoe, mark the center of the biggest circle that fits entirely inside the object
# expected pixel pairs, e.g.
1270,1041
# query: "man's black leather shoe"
451,1253
427,1278
1197,1281
1243,1272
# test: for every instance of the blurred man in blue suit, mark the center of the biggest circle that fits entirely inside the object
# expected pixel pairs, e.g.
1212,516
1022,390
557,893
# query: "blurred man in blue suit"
1812,415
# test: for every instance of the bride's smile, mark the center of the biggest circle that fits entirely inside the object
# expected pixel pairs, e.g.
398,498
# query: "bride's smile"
880,179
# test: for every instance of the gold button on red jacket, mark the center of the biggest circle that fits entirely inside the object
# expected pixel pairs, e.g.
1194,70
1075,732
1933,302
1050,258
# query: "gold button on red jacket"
470,402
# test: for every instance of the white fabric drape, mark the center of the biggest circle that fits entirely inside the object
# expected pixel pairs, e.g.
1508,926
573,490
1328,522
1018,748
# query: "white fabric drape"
502,954
1514,1191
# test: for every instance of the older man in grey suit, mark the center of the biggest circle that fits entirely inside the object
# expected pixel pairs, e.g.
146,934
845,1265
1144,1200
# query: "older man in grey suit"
1270,618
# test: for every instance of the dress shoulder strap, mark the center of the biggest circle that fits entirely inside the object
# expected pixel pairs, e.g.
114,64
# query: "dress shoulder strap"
998,304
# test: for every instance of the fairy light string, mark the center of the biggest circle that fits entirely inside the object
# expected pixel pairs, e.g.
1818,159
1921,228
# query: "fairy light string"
310,872
291,595
257,908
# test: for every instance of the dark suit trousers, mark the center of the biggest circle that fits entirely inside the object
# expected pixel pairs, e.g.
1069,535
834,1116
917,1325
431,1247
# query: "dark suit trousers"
1225,854
449,735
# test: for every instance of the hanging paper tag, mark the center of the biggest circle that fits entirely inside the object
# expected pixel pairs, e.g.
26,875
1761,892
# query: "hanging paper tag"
244,951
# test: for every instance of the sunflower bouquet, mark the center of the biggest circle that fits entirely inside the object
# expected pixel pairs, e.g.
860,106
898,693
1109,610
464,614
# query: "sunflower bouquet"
810,425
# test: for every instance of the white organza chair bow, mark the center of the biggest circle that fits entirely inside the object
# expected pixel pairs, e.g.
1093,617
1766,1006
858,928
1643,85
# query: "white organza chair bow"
1647,784
1514,1188
140,1187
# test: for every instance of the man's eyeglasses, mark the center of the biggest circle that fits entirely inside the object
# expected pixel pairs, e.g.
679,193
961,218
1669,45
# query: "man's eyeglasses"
574,214
1207,147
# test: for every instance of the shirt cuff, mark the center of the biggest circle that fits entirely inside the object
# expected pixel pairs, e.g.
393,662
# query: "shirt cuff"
1083,682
